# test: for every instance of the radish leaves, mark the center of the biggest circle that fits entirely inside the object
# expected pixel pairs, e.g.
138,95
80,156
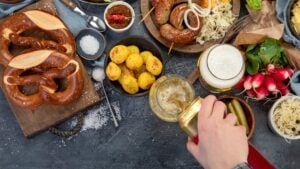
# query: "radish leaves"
260,55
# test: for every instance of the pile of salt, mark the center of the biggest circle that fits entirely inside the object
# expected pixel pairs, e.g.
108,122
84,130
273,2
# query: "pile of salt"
89,44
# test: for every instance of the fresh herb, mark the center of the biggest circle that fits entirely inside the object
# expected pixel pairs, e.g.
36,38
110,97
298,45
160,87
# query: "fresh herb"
260,55
254,4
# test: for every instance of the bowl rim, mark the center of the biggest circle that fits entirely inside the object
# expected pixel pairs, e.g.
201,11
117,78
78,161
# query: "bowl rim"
107,59
251,112
78,46
272,124
119,3
95,3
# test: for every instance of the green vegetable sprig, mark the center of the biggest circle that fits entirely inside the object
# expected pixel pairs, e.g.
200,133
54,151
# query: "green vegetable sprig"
260,55
254,4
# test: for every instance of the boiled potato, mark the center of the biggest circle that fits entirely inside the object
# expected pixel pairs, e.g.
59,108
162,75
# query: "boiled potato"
134,61
138,72
146,80
113,72
145,55
133,49
154,66
130,84
125,71
119,54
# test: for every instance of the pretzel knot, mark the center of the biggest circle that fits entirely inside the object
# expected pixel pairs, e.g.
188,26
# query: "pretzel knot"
46,70
14,31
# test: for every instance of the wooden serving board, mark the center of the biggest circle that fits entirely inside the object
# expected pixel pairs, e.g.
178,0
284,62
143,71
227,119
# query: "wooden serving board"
153,28
46,116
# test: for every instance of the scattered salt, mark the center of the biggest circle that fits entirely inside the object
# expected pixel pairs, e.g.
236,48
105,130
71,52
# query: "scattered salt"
89,44
99,116
97,86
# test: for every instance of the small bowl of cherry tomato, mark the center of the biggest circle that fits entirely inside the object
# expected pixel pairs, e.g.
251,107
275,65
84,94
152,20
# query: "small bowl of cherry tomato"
119,16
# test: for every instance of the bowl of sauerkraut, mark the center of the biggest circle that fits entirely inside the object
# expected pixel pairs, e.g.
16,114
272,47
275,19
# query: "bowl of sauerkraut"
284,117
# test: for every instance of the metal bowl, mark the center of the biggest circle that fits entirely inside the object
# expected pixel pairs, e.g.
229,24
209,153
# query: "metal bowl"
143,45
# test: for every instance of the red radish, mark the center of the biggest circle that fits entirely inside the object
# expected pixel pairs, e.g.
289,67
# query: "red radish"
261,92
247,82
270,68
290,71
270,84
284,90
240,85
251,93
280,74
257,80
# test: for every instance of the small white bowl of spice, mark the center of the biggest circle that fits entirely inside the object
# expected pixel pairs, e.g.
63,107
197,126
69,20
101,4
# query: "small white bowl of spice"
90,44
284,117
119,16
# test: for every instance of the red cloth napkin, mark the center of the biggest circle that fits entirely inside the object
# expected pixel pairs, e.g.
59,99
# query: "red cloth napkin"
255,159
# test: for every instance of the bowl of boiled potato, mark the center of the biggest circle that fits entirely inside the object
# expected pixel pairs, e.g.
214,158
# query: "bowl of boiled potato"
133,65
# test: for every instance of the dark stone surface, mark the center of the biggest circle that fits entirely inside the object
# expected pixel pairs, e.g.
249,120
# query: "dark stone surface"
141,141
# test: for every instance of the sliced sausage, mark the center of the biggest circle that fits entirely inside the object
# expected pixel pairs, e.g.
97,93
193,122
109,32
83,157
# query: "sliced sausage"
180,36
176,17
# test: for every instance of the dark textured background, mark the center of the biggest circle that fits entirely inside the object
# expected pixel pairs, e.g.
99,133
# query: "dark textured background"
141,142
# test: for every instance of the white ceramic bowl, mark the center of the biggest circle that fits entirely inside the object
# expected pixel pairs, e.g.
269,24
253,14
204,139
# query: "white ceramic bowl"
272,124
119,3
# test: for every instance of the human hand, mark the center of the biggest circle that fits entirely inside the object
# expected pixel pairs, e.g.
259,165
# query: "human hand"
222,144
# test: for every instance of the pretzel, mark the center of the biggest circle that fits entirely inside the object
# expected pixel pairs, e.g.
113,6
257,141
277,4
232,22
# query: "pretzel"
12,28
45,67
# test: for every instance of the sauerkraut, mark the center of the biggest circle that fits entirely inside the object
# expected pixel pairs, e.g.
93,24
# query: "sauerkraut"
217,23
287,117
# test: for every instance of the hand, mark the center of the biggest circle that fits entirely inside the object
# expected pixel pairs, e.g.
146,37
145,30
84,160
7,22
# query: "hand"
222,144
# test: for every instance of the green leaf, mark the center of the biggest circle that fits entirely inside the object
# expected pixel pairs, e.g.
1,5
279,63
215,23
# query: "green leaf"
284,60
250,47
254,4
259,56
268,49
252,68
253,62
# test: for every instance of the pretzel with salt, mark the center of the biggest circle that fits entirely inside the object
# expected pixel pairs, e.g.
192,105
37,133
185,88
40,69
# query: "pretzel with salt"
13,28
45,67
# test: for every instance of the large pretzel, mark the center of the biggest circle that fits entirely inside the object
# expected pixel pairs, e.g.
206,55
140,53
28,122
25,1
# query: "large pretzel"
44,67
12,28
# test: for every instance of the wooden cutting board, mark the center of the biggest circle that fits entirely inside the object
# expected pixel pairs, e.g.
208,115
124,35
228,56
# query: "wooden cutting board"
34,121
153,29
